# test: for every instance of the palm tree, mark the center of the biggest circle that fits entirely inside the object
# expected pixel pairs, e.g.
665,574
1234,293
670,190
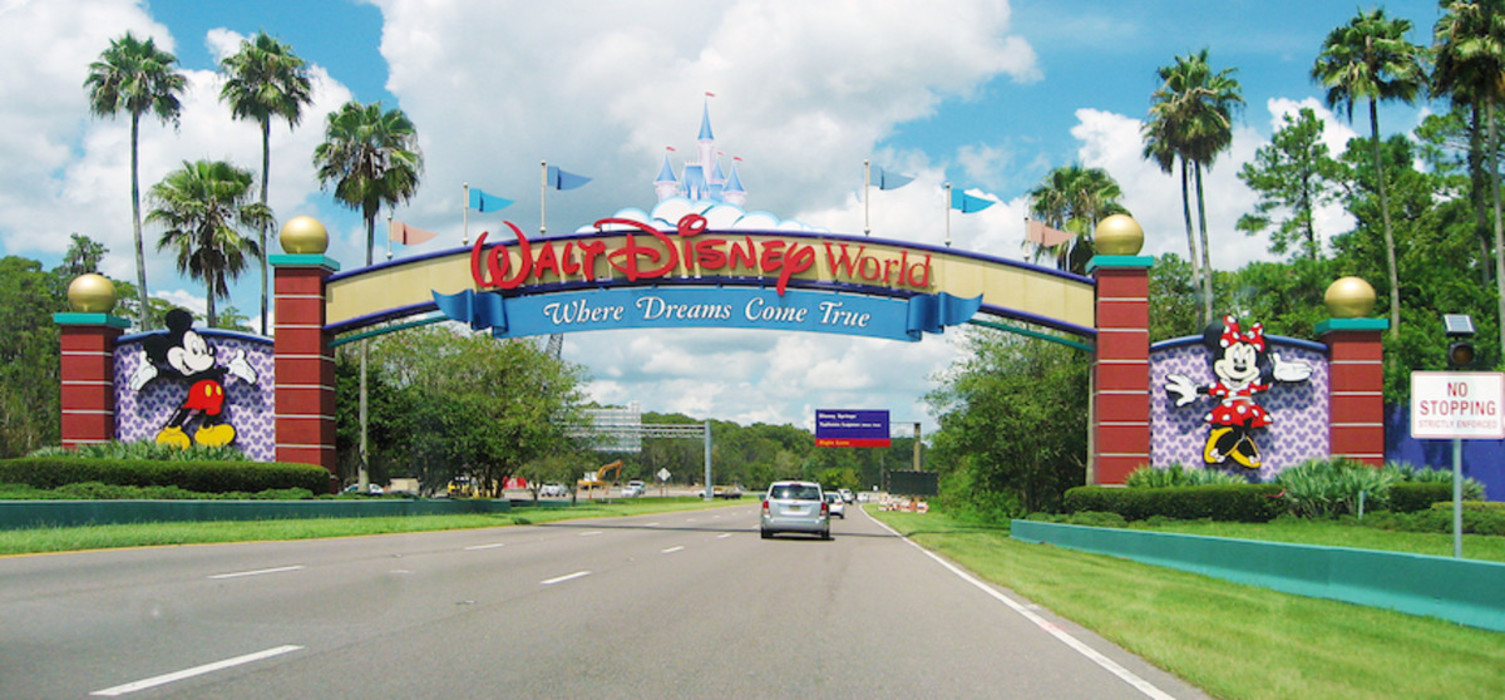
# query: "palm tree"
1193,118
1074,199
203,205
372,158
134,76
1469,43
265,80
1159,133
1370,58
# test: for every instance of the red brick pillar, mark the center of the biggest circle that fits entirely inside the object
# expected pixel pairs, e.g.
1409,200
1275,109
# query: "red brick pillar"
305,386
88,376
1356,388
1121,367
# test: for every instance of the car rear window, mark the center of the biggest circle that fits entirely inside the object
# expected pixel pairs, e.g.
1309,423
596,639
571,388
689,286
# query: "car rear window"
795,491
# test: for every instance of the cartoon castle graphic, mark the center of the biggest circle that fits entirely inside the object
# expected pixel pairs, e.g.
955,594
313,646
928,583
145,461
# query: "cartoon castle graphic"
702,179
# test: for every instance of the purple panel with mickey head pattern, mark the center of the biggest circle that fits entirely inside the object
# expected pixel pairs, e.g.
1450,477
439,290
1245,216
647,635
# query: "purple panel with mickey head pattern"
250,408
1178,434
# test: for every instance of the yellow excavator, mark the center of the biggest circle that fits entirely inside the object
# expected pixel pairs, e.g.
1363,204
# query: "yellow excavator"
591,481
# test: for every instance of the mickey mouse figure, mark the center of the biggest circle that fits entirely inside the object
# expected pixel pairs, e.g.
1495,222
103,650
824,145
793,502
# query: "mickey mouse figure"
1242,370
184,354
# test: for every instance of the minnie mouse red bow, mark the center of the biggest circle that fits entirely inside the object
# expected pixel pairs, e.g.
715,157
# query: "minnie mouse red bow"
1254,336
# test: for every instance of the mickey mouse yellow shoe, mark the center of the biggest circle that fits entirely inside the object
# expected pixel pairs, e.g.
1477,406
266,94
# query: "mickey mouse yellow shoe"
215,435
173,436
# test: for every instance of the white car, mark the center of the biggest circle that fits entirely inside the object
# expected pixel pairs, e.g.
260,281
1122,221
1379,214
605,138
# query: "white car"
634,488
836,505
553,490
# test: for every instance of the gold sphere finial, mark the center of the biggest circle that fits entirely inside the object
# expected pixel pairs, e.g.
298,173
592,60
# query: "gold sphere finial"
1349,297
304,235
91,293
1119,234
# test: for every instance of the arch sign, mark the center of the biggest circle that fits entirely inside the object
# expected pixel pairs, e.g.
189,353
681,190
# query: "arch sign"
632,275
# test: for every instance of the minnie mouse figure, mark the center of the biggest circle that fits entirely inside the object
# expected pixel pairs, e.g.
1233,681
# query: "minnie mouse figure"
184,354
1242,371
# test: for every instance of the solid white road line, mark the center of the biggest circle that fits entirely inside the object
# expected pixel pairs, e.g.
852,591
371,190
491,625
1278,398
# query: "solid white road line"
258,572
566,577
195,671
473,548
723,535
651,525
1077,645
671,550
592,533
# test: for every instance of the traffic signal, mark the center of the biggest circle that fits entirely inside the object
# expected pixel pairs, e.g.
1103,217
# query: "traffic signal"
1460,354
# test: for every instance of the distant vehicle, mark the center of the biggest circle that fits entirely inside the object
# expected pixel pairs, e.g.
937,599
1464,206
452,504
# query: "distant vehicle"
634,489
848,496
836,504
372,489
723,492
553,489
795,506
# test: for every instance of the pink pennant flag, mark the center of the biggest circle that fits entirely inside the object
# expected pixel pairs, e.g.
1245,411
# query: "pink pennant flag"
1039,233
710,94
407,235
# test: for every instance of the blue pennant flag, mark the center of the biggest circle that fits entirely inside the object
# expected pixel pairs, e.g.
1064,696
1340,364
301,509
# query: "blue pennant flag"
967,204
931,313
482,202
480,310
561,180
890,181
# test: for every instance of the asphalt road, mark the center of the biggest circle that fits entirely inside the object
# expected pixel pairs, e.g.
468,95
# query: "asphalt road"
674,605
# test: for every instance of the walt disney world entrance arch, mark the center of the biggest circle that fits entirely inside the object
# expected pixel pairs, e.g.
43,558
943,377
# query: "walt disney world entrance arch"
631,275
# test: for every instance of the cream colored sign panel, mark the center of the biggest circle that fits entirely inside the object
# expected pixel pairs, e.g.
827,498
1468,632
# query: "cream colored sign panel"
667,258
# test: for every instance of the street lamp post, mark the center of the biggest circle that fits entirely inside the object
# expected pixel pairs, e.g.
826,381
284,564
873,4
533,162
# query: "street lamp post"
1460,330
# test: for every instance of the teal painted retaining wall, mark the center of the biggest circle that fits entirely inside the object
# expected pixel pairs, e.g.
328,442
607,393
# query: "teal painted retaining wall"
1465,591
22,514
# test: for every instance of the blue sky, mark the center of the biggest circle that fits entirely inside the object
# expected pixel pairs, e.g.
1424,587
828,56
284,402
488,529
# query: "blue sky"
987,95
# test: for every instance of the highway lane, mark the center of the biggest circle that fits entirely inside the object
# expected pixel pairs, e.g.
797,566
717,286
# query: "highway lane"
668,605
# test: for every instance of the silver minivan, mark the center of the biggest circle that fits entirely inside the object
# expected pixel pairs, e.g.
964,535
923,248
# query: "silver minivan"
796,506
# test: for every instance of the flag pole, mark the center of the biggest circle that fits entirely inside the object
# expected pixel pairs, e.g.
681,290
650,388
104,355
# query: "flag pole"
465,217
389,236
867,183
948,215
543,193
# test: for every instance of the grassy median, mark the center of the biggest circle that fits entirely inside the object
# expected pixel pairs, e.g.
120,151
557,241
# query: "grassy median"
66,539
1231,640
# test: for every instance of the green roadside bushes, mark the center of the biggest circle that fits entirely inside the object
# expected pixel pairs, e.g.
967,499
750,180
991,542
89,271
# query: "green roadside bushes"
201,476
1249,503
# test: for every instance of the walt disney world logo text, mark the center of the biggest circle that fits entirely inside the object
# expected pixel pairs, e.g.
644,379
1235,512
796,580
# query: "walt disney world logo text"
784,259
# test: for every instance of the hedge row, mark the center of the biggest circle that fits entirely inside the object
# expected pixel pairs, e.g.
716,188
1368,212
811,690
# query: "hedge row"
1249,503
1413,496
206,477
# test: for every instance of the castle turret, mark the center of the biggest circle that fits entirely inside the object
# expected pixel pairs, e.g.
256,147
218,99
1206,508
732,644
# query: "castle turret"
666,185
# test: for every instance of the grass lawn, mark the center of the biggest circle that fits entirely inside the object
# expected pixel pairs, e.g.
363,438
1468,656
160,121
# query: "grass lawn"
1233,641
65,539
1340,534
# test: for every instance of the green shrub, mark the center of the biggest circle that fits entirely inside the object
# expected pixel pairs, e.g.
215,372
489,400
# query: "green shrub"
1410,496
1324,488
1473,490
1176,475
206,477
146,449
1236,502
1439,519
1097,519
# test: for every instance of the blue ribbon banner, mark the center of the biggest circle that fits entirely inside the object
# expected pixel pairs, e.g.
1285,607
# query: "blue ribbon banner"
707,307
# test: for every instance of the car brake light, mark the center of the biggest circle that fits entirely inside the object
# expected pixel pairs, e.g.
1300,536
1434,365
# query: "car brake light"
765,507
825,508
